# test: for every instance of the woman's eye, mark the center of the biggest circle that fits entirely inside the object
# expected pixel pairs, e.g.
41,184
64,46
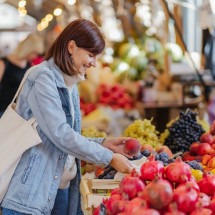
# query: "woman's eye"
91,55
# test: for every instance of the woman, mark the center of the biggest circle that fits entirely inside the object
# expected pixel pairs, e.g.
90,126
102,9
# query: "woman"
14,66
41,183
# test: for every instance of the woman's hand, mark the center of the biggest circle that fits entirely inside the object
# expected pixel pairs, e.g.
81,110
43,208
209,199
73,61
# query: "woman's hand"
116,144
121,163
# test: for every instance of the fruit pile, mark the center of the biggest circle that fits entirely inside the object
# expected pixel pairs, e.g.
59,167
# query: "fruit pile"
183,132
93,132
162,191
143,131
87,107
204,150
114,96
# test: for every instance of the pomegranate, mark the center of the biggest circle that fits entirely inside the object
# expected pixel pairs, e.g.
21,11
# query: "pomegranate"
119,206
212,205
115,191
144,211
111,200
134,204
173,210
175,171
131,185
151,168
203,200
158,193
186,198
207,184
192,183
202,211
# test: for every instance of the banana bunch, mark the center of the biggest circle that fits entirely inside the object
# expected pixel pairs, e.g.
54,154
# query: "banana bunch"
143,131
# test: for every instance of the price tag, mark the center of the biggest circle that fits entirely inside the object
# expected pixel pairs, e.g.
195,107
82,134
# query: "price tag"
102,209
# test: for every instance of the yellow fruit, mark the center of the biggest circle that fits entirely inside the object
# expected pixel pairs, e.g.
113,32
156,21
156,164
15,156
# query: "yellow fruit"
213,171
197,174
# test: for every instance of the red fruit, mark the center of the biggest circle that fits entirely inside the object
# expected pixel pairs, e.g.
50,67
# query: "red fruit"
151,168
194,148
202,211
134,204
207,184
99,171
173,210
158,193
119,206
178,171
206,138
115,191
212,205
132,147
187,157
143,211
203,200
186,198
131,186
96,211
204,148
111,200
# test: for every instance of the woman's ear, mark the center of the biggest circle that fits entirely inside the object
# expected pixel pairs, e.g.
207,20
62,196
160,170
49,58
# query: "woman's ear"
71,46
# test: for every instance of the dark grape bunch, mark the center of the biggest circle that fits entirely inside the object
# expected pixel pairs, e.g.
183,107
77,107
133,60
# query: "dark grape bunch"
194,164
183,132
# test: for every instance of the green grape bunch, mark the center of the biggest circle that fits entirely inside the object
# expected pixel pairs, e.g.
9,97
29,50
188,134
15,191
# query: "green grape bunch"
93,132
144,131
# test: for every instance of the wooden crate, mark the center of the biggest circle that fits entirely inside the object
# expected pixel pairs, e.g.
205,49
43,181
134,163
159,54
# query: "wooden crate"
93,191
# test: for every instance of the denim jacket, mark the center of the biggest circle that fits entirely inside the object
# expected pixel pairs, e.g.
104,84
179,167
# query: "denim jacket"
35,182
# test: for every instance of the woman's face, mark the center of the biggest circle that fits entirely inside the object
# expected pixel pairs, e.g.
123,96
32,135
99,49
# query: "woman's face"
82,59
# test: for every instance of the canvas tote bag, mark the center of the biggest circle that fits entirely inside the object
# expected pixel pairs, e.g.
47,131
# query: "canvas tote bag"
16,136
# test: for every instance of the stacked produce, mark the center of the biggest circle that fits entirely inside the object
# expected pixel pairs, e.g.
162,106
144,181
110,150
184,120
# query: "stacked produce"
87,107
144,132
163,190
114,96
183,132
93,132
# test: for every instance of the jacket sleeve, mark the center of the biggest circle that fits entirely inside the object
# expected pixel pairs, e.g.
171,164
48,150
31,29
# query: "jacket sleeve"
46,107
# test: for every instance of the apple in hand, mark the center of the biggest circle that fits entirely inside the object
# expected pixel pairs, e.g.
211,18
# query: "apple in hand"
132,147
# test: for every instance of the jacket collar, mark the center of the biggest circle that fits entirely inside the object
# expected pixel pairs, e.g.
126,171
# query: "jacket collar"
57,73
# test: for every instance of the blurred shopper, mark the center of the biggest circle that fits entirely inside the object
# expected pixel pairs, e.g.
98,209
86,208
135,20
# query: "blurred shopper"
47,178
14,66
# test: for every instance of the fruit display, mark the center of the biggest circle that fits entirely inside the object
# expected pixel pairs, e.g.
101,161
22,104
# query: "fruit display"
183,132
143,131
114,96
173,190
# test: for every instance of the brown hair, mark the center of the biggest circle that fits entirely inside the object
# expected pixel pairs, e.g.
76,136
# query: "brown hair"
85,34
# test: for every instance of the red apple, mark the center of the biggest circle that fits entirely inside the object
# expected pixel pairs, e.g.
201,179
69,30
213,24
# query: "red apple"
204,148
132,147
194,148
206,138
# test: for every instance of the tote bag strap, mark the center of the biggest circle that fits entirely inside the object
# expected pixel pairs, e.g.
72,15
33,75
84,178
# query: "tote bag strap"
21,84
